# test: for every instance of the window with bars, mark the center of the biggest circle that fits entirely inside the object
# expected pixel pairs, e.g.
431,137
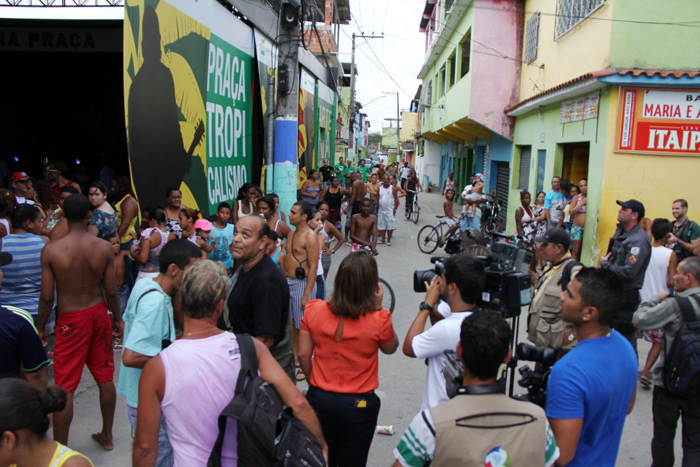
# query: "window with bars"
572,12
532,34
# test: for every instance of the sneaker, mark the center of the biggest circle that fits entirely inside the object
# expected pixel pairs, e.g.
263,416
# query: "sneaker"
380,242
388,243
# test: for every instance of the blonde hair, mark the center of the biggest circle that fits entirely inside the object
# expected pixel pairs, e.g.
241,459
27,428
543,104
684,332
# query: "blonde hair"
203,286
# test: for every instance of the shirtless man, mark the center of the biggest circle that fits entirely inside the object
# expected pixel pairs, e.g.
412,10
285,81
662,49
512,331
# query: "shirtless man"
301,264
363,230
372,188
81,266
357,193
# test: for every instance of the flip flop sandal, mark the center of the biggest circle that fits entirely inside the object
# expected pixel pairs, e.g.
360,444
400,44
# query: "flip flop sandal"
646,384
299,375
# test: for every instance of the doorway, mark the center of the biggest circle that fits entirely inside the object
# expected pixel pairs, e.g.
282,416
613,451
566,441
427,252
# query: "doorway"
575,162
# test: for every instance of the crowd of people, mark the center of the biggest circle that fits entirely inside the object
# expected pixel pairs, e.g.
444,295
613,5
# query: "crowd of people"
109,275
164,285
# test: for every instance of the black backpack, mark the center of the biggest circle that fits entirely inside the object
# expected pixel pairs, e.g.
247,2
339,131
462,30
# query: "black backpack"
681,371
268,433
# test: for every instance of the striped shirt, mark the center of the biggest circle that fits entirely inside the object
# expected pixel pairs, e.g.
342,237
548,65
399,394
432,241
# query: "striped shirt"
21,282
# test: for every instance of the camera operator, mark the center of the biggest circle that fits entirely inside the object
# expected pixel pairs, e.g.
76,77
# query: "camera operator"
480,425
545,326
460,285
591,389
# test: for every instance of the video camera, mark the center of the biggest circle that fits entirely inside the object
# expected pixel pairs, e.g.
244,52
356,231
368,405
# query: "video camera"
535,381
506,290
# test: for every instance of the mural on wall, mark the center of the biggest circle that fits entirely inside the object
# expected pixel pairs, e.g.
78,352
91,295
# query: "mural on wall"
325,123
307,91
187,87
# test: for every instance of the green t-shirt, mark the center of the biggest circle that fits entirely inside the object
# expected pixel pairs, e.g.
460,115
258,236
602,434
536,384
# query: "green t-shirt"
339,169
366,171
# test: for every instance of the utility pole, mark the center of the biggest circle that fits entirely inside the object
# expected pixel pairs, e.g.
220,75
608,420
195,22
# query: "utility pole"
398,126
351,113
285,172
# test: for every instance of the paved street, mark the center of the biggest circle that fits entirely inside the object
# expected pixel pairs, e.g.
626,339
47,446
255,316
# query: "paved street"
401,378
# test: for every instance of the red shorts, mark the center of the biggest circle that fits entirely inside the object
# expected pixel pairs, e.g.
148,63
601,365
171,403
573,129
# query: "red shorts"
83,337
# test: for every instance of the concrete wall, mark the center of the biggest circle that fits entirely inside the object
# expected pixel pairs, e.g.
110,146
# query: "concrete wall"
409,126
429,165
584,48
656,46
497,26
455,103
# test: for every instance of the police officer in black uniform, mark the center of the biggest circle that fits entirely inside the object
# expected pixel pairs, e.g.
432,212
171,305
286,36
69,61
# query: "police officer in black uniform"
628,256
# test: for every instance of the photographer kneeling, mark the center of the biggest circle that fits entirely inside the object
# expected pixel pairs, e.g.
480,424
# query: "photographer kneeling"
480,425
591,389
459,281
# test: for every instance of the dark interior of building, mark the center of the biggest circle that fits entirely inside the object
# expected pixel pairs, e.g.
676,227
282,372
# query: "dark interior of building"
62,96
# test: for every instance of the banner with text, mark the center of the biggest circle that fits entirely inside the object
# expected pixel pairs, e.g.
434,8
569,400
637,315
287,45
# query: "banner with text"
187,85
658,121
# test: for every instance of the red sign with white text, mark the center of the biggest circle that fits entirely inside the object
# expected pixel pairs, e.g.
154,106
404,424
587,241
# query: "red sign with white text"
658,121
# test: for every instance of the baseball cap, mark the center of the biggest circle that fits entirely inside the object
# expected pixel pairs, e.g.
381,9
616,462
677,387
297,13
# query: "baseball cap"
556,235
5,258
634,206
203,224
20,177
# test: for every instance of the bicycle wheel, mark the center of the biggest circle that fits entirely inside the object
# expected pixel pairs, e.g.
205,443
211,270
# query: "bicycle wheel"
428,239
416,211
493,225
389,298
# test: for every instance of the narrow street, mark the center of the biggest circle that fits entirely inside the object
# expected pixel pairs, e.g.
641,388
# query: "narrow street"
401,378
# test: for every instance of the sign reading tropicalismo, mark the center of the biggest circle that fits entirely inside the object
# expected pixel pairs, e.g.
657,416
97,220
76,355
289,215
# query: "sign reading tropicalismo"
188,72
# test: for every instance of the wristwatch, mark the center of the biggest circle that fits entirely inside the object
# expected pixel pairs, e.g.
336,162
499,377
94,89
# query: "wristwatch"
425,306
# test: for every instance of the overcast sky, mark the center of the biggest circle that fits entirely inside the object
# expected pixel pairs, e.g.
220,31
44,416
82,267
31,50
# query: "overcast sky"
385,65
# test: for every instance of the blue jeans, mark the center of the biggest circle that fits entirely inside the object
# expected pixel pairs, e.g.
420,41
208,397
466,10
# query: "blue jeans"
348,422
475,221
320,287
165,457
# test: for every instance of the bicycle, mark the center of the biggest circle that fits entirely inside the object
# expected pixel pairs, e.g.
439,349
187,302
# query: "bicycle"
389,297
431,237
414,209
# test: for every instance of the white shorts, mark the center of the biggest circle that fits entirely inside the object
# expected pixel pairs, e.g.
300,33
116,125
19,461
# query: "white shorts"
386,221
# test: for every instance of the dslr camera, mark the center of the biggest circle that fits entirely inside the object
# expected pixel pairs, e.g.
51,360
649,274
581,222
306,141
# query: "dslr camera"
535,381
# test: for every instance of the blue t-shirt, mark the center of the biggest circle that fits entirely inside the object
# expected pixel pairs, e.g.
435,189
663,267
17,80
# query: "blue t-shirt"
20,345
222,239
595,381
145,329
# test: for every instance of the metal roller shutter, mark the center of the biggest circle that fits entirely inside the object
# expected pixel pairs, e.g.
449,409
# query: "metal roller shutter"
502,178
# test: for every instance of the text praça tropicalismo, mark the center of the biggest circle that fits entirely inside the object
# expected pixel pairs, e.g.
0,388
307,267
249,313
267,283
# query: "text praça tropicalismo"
227,107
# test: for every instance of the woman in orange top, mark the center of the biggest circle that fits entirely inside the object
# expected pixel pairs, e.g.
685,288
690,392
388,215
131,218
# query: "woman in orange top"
344,336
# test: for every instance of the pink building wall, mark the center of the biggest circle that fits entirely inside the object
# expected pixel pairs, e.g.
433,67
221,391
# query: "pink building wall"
495,80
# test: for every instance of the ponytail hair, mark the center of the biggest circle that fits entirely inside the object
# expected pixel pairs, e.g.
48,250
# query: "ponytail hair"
24,407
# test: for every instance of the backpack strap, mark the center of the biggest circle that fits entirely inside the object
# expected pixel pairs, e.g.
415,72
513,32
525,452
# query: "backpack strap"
249,361
687,309
249,371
